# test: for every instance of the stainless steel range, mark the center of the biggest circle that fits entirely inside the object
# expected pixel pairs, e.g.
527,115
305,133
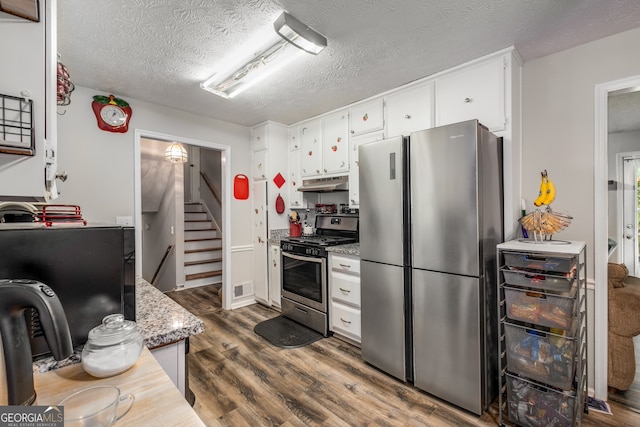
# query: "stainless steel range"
304,270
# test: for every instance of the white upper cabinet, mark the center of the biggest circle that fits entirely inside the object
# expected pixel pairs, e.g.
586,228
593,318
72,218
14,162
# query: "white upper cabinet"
29,71
260,166
295,196
294,138
366,117
474,92
410,110
354,168
310,148
260,137
335,143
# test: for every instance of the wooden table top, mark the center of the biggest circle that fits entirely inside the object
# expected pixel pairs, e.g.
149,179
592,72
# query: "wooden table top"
157,400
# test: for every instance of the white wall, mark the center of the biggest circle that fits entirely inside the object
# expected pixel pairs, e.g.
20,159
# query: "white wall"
101,164
558,124
558,134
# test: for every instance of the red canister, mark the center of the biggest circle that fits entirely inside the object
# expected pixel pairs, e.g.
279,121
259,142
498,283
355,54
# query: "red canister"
295,229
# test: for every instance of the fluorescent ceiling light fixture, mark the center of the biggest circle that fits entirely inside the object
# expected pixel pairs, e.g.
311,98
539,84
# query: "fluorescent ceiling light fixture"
299,34
278,54
228,85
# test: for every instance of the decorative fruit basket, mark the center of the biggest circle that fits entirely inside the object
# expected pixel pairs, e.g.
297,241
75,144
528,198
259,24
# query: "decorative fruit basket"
543,224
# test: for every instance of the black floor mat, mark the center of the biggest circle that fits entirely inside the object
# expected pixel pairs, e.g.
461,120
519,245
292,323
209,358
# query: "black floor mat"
286,333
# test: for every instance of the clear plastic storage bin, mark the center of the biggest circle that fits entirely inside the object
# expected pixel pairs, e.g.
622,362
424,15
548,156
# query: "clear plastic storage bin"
534,405
559,282
540,356
544,309
555,263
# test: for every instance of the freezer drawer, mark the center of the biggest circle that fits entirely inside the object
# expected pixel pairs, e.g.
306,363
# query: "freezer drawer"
448,359
383,320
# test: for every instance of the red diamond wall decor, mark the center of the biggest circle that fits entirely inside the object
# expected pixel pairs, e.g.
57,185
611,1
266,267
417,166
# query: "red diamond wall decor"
278,180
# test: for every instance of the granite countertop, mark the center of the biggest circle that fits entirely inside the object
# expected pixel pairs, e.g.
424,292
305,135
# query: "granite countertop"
276,235
350,249
160,321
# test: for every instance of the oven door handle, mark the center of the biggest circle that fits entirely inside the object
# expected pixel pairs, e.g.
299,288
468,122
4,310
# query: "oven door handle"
303,258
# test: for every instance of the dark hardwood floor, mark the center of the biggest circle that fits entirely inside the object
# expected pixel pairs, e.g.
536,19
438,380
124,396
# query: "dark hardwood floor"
239,379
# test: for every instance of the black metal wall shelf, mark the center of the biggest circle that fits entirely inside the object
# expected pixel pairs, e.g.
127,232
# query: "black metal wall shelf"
17,134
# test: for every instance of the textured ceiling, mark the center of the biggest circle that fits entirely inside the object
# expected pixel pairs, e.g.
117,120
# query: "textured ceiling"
160,50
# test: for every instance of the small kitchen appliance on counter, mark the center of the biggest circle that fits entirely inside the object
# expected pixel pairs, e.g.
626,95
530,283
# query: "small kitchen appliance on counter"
305,270
90,268
16,295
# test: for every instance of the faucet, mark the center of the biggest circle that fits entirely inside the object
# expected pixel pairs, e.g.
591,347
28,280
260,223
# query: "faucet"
15,296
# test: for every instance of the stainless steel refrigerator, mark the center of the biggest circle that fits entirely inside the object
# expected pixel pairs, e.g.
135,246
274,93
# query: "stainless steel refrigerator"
431,214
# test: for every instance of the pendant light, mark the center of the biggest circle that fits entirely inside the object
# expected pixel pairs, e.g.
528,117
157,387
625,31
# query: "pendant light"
175,153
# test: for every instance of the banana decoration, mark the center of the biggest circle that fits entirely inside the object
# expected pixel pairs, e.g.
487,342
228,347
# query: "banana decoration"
547,192
544,224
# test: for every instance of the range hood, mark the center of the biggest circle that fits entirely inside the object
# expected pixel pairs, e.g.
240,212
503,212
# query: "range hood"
325,185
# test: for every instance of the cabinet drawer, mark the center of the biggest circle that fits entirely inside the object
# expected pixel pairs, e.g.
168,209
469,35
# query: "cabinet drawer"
346,320
345,288
345,264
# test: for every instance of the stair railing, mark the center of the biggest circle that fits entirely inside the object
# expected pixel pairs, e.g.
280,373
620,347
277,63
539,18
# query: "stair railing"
164,258
212,204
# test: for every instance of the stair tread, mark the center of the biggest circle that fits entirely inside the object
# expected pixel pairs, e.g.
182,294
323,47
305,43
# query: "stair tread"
190,251
203,275
203,240
197,220
204,261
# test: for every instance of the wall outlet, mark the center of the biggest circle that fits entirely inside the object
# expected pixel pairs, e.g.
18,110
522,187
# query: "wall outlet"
124,220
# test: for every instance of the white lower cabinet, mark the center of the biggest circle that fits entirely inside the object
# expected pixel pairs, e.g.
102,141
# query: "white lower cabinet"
173,361
344,289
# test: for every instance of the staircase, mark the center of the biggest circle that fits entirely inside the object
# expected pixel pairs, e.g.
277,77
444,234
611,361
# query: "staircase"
202,247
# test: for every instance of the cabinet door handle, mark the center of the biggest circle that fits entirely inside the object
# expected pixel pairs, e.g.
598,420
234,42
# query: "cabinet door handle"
345,265
407,116
346,291
467,100
353,131
345,321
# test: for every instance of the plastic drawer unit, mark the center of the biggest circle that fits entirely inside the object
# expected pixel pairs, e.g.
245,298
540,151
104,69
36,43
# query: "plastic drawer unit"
542,310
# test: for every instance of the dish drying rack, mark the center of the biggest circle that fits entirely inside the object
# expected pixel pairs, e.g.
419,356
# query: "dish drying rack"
17,135
50,214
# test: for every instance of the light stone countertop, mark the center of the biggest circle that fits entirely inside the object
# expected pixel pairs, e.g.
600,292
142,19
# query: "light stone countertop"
160,321
350,249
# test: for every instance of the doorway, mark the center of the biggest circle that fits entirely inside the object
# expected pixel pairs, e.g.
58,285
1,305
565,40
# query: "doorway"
630,198
603,170
225,196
